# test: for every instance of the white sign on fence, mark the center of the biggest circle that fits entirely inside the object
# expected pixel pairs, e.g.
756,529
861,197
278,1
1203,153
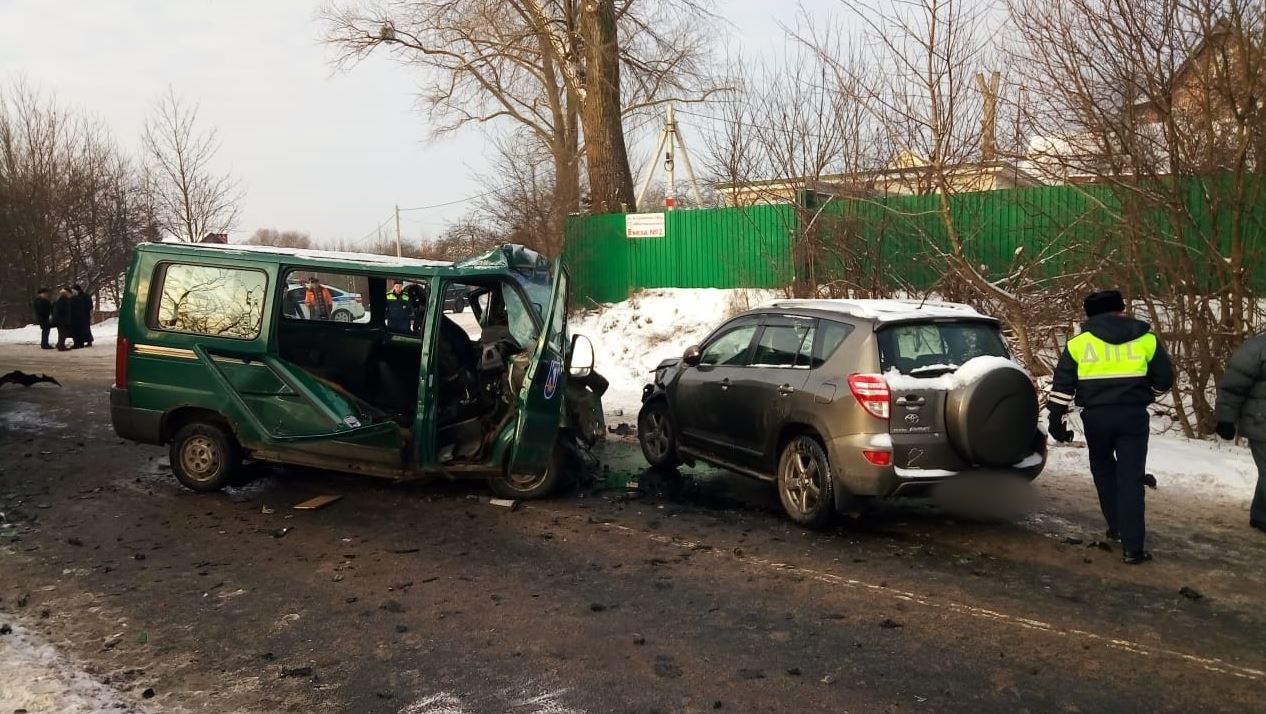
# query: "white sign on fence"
644,225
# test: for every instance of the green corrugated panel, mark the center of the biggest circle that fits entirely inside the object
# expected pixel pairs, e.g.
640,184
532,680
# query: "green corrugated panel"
898,241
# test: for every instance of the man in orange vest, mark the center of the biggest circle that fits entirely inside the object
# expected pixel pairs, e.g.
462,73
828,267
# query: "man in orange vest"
318,300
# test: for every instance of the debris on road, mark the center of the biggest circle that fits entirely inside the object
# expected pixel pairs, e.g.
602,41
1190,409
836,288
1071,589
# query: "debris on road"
889,624
17,376
316,502
1190,593
296,672
597,607
623,429
281,532
503,503
267,511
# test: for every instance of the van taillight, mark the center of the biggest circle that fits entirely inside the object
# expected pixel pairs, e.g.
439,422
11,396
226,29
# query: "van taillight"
121,348
871,391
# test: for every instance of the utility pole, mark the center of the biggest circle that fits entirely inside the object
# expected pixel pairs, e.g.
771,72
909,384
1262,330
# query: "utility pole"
989,120
398,253
672,139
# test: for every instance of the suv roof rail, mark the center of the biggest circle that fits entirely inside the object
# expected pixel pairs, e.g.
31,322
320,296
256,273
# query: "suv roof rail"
883,310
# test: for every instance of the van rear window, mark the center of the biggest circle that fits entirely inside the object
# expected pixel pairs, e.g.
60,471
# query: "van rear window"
932,348
210,300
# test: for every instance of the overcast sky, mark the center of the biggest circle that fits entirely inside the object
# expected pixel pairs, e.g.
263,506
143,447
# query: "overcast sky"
316,149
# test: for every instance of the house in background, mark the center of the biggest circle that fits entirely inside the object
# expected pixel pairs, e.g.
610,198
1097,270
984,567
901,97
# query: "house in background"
906,176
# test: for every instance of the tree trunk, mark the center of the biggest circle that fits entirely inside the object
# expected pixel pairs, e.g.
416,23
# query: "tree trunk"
610,181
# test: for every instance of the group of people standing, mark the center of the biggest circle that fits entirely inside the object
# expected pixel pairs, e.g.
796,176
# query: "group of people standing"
70,313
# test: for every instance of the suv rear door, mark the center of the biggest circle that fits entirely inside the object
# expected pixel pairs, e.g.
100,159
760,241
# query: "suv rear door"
924,353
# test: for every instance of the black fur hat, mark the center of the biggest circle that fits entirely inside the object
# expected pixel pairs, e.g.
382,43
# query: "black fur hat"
1104,301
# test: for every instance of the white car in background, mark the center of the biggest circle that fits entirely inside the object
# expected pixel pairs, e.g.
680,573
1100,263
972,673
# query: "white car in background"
347,307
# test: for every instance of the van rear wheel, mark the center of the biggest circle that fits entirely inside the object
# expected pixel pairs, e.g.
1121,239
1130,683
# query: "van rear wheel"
805,485
205,456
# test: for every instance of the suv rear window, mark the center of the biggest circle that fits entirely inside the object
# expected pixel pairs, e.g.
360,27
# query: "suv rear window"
932,348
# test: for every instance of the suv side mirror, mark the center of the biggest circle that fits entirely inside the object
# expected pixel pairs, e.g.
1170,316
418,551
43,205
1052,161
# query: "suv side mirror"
580,359
691,356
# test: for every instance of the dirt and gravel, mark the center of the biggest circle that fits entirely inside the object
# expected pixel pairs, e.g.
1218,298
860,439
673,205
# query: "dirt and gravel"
673,595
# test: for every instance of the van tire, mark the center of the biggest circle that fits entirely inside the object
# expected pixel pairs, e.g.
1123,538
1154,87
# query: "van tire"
528,488
205,457
806,486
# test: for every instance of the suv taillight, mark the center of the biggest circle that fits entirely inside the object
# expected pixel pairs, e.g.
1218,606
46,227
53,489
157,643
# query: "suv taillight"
120,362
871,391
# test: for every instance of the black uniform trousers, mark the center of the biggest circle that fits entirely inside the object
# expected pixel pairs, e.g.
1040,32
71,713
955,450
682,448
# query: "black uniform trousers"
1116,437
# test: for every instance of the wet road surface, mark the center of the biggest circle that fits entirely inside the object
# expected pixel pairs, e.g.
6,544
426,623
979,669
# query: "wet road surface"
685,594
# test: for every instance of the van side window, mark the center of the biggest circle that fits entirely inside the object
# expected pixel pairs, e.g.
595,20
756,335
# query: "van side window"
329,297
209,300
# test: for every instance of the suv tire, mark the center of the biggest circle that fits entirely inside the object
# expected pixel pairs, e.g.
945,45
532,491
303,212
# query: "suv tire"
656,436
805,484
205,457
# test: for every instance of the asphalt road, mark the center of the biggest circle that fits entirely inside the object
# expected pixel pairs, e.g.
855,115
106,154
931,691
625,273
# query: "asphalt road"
679,595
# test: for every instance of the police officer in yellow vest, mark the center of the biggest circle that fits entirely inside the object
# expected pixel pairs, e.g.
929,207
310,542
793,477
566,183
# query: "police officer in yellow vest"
1113,370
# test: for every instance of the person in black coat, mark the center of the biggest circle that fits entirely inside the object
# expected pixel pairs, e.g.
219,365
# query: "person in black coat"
62,318
81,314
1241,409
43,308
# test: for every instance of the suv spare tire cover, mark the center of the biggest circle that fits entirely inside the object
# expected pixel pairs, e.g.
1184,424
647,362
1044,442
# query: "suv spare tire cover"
992,420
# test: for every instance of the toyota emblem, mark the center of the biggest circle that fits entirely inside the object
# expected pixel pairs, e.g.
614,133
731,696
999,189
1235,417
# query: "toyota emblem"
912,418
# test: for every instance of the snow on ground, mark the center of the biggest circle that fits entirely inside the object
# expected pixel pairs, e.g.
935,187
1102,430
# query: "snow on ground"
104,331
631,337
1206,469
35,678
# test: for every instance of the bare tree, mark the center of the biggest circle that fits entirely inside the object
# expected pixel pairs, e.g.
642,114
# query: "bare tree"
280,239
193,199
1158,109
71,205
557,68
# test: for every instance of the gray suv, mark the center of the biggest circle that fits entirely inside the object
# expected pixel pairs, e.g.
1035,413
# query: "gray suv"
840,400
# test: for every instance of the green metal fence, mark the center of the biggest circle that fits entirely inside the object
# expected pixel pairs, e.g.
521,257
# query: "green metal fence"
709,248
901,241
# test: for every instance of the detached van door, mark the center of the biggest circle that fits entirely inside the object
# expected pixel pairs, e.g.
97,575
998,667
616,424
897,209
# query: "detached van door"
541,399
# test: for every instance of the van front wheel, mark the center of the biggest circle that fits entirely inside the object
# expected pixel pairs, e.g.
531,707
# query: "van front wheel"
205,457
532,486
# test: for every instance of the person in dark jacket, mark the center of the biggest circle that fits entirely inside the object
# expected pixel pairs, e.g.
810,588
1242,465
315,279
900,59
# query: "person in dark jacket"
43,308
399,309
62,318
81,311
1241,409
1113,370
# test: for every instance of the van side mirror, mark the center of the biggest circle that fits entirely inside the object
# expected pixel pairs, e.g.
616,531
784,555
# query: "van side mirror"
691,356
580,359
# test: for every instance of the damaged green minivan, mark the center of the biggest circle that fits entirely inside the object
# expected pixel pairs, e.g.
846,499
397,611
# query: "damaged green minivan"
369,364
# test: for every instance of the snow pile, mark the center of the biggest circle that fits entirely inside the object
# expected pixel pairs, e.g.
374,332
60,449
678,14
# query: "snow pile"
106,330
970,372
1203,469
35,678
630,338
